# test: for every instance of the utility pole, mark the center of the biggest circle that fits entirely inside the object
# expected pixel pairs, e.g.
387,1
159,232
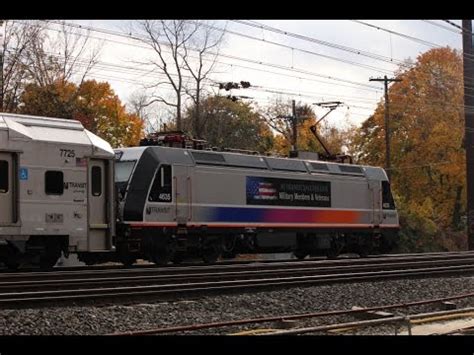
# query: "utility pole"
294,130
468,69
294,127
387,123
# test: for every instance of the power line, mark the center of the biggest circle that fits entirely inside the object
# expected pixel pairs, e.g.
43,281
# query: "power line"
415,39
301,50
441,26
325,43
120,34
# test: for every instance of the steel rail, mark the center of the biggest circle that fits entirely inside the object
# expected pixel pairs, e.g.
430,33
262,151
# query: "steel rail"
193,277
219,268
179,288
343,258
288,317
365,323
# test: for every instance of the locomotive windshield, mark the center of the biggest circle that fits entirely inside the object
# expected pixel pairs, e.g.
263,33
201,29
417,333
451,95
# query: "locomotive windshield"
123,170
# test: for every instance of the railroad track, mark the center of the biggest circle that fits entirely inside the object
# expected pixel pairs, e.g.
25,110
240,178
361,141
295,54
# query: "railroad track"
278,322
118,266
36,287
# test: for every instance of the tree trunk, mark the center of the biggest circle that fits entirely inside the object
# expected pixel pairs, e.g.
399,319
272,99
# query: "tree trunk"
197,117
457,208
178,113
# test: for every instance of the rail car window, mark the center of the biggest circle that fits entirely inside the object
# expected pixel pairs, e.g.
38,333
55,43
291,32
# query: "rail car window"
96,181
123,170
3,176
161,188
387,198
54,183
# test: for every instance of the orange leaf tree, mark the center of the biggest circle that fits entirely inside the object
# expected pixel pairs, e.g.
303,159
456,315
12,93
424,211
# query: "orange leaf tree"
93,103
427,125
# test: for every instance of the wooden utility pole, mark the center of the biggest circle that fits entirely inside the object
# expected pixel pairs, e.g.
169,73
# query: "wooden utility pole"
293,119
294,127
468,67
387,123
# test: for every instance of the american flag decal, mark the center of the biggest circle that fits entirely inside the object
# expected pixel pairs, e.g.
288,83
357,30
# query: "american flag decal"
259,190
82,162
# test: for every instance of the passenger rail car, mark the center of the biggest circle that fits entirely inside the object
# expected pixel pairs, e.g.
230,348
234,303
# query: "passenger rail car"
176,203
56,190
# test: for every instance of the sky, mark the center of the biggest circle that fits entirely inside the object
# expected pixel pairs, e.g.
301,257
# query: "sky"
284,64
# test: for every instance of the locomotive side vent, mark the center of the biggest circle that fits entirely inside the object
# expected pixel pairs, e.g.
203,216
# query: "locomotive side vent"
319,166
202,157
351,169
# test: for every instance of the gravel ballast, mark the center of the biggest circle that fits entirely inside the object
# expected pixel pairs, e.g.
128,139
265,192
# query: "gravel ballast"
105,319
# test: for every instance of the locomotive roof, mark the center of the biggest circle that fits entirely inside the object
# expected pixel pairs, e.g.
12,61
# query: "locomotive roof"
231,159
24,128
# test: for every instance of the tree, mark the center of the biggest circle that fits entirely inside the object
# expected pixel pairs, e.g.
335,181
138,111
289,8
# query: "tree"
230,124
93,103
427,116
14,47
172,34
61,57
204,40
32,55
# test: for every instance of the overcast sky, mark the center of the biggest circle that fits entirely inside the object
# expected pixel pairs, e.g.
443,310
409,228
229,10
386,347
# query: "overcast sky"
299,75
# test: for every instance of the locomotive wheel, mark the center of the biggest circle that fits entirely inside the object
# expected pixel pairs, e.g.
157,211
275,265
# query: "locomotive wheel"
162,258
163,255
336,247
229,255
12,264
211,253
300,254
178,258
128,260
48,261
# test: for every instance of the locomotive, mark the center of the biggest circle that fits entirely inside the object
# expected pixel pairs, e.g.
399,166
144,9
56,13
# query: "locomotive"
168,200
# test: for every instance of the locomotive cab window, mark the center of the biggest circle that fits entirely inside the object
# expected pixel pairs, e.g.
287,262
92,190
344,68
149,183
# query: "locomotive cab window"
161,188
54,183
387,198
96,181
3,176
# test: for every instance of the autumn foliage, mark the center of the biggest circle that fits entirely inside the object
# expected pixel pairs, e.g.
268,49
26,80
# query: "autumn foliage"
427,152
93,103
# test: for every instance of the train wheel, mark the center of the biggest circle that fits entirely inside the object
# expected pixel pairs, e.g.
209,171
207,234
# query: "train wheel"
48,261
11,257
164,254
178,258
162,258
229,255
337,245
211,253
128,260
300,254
12,264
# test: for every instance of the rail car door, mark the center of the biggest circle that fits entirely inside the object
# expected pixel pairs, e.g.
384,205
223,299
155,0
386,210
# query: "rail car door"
98,202
182,194
7,189
375,188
